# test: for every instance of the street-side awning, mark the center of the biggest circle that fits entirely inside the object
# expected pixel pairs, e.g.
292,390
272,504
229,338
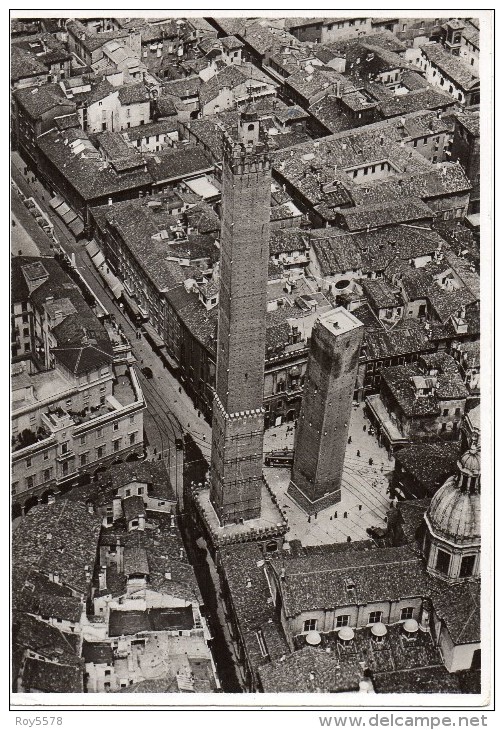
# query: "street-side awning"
62,209
131,304
69,217
153,335
92,248
98,259
114,284
55,202
76,226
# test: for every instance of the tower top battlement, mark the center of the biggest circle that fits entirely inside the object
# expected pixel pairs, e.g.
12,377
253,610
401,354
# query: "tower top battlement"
248,151
339,320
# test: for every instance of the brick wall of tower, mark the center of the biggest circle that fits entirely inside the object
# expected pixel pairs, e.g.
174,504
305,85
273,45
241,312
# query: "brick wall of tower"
237,446
238,416
246,196
322,432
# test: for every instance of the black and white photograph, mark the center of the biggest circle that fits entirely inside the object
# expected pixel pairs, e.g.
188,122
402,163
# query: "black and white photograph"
248,295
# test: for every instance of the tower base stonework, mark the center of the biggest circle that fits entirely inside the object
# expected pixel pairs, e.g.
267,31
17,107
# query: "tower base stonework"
236,470
311,508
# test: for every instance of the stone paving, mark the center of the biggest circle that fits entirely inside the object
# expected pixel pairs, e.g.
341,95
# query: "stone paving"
21,241
364,497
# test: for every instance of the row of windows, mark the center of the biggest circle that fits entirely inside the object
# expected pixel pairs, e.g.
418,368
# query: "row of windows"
424,141
446,411
348,23
83,441
374,617
443,561
371,168
47,474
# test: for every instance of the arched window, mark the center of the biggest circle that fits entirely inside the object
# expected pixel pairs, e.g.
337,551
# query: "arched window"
251,127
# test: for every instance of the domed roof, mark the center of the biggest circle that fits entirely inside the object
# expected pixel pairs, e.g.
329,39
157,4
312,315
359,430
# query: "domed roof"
379,629
455,514
346,633
470,461
313,638
410,626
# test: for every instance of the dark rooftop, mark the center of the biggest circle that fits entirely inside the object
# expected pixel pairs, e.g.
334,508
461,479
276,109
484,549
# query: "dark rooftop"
38,100
152,473
404,210
459,607
422,680
87,174
40,676
380,294
133,94
311,669
176,164
59,538
429,464
316,582
127,623
97,652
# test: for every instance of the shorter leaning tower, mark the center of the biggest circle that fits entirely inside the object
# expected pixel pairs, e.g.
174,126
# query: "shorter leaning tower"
322,432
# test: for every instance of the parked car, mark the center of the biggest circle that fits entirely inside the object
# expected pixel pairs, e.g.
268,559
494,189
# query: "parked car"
147,372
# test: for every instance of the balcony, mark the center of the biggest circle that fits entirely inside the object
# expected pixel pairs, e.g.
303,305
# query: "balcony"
70,454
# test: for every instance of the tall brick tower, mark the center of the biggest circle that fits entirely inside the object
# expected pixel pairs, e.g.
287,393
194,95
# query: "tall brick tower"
322,432
238,415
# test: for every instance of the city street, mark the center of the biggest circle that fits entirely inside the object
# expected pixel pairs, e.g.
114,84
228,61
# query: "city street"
170,411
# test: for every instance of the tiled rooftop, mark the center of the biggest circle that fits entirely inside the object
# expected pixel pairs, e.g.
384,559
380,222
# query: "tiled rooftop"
455,68
319,582
59,538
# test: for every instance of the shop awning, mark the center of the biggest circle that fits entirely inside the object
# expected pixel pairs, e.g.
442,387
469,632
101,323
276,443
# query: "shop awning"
98,259
153,335
69,216
114,284
92,248
76,226
131,304
56,201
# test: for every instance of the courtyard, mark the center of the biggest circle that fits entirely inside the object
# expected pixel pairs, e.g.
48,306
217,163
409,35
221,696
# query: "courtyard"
364,497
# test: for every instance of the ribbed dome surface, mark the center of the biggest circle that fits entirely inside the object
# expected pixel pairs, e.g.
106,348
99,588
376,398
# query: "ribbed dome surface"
471,461
454,514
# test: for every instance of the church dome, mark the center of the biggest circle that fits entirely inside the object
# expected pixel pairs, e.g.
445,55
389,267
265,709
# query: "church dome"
454,514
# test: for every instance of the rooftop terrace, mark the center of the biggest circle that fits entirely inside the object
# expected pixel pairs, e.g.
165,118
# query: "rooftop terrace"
271,522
